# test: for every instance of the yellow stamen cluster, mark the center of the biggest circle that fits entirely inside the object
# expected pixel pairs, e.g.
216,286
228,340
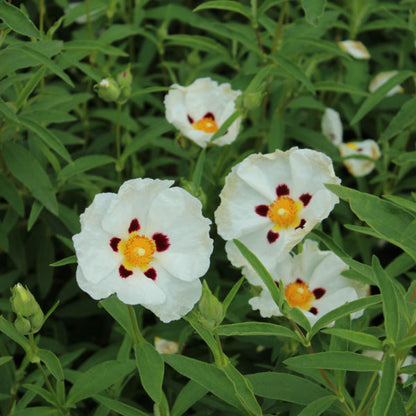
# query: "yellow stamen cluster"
206,124
298,294
138,251
284,213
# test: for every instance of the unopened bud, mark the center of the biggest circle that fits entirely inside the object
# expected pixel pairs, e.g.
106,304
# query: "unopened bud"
22,325
23,302
108,90
210,308
253,99
194,59
124,78
36,321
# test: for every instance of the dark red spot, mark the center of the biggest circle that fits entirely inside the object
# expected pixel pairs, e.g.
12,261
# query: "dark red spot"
161,240
134,225
272,237
319,292
305,198
359,149
209,115
190,119
399,378
151,273
282,190
114,243
301,225
124,272
277,283
313,310
262,210
299,280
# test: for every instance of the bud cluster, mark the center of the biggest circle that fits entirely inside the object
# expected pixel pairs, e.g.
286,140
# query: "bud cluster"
118,90
210,308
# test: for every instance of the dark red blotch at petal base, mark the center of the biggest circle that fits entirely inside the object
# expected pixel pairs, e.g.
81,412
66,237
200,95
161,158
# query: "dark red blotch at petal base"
302,224
124,272
313,310
262,210
151,273
209,115
114,243
134,225
161,240
282,190
319,292
299,280
305,198
272,237
190,119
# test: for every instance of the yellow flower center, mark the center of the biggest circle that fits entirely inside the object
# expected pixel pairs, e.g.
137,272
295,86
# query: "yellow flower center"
206,124
138,251
351,145
298,294
284,213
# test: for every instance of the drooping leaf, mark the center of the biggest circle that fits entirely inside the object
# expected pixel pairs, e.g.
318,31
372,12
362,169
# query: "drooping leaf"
17,20
83,164
359,338
52,363
319,406
386,386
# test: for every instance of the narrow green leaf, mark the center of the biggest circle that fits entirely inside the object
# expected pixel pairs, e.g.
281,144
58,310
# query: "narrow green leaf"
402,202
4,360
8,329
407,342
390,300
199,167
198,42
37,411
119,311
407,157
286,387
339,87
119,407
191,393
64,262
47,137
7,111
38,390
98,378
359,338
17,20
93,45
224,126
232,6
403,119
149,90
293,71
52,363
151,369
35,211
386,386
231,294
256,329
29,88
83,164
374,98
401,264
319,406
258,79
336,360
25,168
314,9
203,332
11,195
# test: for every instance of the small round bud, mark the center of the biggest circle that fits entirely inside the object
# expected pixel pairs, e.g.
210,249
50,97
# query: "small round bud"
23,302
108,90
22,325
210,308
36,321
253,99
124,78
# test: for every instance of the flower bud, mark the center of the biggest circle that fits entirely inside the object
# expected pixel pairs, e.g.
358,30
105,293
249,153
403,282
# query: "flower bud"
124,78
253,99
22,325
210,308
108,90
23,302
36,321
194,59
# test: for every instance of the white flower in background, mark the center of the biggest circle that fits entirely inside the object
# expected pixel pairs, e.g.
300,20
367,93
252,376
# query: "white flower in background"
378,355
163,346
270,202
148,243
331,126
355,49
312,282
200,109
360,166
381,79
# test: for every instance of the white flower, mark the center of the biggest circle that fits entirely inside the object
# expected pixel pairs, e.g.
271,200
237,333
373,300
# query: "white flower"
201,108
312,282
360,166
331,126
163,346
355,49
381,79
148,243
270,202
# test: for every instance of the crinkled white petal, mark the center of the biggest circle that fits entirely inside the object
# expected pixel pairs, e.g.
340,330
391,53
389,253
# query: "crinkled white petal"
354,48
164,346
253,182
381,79
331,126
195,101
265,304
360,167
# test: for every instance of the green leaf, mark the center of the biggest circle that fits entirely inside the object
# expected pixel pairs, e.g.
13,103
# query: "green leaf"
390,301
387,219
224,126
231,295
207,375
204,43
119,311
93,45
336,360
199,168
28,88
339,87
25,168
37,411
83,164
344,310
359,338
52,363
386,386
35,211
403,119
405,203
7,111
293,71
319,406
314,9
374,98
256,329
187,397
8,329
407,157
149,90
64,262
286,387
151,369
232,6
98,378
118,407
47,137
4,360
11,195
17,20
407,342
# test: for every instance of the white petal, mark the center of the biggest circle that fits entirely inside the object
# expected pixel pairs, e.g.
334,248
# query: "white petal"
355,49
331,126
381,79
265,304
360,167
96,290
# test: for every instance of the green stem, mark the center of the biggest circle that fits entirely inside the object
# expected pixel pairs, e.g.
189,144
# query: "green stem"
221,359
118,138
41,13
138,337
88,12
367,392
